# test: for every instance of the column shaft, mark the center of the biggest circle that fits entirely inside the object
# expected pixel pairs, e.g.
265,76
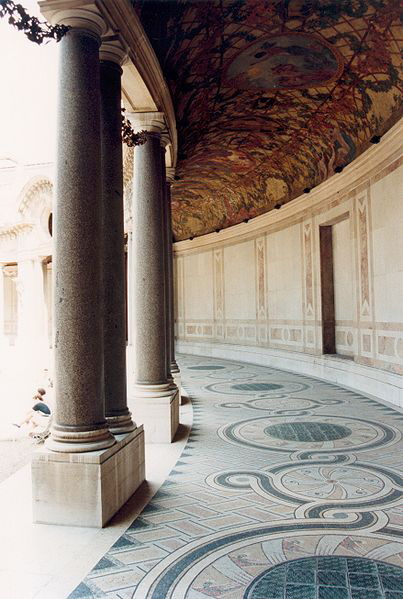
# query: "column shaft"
148,266
166,266
79,423
117,413
155,397
171,301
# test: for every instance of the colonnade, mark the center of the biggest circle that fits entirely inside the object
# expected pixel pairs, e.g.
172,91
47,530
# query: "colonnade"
92,425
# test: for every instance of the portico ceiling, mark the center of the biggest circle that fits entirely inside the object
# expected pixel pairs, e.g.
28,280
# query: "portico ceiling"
271,97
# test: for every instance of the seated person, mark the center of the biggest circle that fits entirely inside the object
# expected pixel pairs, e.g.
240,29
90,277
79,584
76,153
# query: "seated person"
38,414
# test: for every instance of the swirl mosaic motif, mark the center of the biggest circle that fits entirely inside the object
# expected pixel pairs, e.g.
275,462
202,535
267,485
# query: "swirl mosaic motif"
270,97
287,496
332,482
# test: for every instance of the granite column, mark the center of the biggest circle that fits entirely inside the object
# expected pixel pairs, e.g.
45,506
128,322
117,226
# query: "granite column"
176,375
84,474
114,300
79,424
166,228
155,398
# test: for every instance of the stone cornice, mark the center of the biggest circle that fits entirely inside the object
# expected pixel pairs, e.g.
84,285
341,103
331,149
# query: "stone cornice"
366,166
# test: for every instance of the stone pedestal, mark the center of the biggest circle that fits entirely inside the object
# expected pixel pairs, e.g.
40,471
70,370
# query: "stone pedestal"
87,489
158,410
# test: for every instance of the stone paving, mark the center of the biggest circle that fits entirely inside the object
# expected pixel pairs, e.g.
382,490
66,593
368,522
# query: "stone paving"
288,488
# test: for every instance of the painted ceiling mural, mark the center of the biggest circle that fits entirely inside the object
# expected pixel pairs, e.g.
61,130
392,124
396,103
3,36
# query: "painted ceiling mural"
271,96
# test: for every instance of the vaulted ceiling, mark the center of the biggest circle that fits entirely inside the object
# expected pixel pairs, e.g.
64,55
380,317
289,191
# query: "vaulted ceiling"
271,96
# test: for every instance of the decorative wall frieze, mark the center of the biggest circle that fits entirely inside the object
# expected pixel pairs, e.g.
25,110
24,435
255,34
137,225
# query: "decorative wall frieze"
218,269
179,297
308,270
261,278
365,300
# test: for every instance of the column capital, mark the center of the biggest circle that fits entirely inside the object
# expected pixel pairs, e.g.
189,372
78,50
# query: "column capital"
113,51
152,122
170,174
88,19
165,140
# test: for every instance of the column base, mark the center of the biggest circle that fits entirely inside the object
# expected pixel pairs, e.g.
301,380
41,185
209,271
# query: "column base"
64,441
87,489
121,424
177,377
157,409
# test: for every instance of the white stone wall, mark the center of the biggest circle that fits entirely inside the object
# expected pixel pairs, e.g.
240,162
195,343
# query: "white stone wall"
258,284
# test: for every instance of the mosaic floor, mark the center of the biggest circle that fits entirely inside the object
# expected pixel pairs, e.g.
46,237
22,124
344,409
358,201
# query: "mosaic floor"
288,488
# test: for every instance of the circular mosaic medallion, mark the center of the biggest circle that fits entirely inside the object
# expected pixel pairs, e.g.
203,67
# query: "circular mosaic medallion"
278,403
268,561
307,432
327,433
330,482
328,576
257,389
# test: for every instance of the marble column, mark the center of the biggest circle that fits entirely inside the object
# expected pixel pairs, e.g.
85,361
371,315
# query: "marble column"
170,280
114,300
155,398
79,424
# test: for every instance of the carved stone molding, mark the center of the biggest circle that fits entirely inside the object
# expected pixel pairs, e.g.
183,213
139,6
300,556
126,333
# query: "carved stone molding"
41,186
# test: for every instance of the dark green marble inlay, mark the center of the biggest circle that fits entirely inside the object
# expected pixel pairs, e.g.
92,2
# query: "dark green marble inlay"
256,387
328,577
307,432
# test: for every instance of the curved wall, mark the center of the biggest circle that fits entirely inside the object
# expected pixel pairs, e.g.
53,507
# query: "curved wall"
253,292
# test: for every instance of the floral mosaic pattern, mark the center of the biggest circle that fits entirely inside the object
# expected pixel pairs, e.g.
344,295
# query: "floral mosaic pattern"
271,96
235,519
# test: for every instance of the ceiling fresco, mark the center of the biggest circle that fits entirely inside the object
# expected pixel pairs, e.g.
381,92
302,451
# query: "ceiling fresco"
270,97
